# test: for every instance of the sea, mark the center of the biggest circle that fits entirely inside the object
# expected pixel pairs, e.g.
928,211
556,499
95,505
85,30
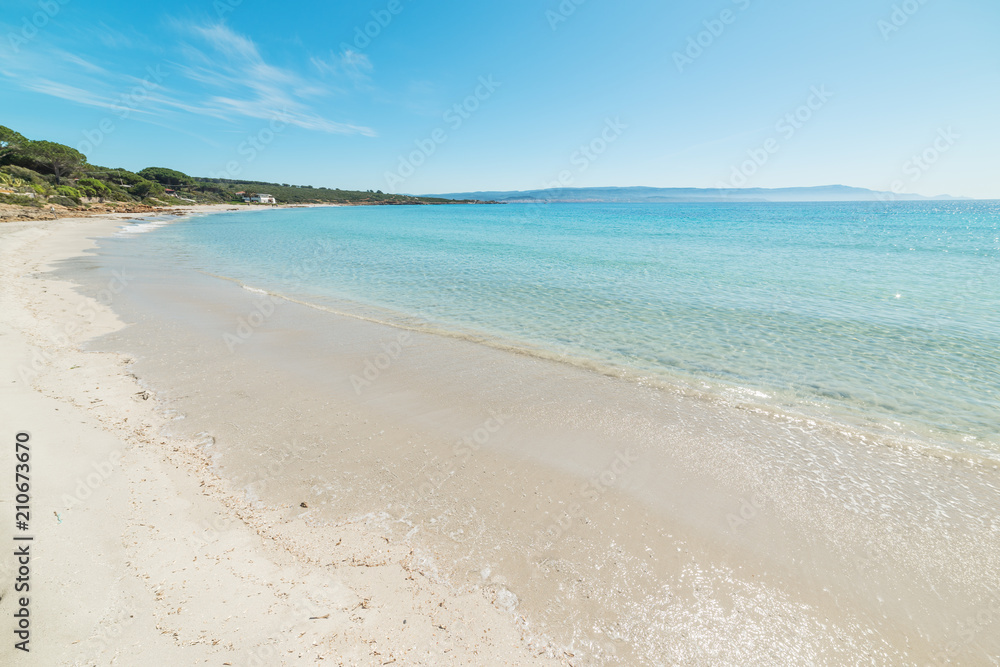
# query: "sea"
882,316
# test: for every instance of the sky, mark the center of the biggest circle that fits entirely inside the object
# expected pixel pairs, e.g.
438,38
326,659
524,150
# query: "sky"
419,97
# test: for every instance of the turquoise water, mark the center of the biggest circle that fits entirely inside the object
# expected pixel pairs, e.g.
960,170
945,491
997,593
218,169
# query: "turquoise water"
885,315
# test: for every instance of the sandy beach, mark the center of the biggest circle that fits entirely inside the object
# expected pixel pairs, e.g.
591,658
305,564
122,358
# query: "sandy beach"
300,486
567,333
143,555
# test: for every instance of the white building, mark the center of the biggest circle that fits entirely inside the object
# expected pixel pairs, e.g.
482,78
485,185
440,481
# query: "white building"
261,199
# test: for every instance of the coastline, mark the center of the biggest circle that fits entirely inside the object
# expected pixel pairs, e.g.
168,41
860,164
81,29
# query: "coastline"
834,338
656,495
718,393
145,554
19,213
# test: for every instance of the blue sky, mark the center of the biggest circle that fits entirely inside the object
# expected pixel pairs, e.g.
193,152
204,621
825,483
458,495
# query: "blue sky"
881,94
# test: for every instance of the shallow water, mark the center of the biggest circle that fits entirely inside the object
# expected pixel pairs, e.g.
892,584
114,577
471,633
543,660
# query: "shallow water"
632,524
886,316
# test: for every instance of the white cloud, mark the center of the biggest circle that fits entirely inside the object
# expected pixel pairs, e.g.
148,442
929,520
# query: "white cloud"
267,91
350,64
67,92
228,42
111,38
223,75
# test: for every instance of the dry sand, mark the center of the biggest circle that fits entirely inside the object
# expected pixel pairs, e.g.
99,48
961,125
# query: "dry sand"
602,522
143,556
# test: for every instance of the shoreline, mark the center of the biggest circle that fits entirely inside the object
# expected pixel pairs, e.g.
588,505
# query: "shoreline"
378,453
892,432
143,548
19,213
660,479
720,393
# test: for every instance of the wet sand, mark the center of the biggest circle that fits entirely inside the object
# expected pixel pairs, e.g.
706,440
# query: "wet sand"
592,519
622,523
142,554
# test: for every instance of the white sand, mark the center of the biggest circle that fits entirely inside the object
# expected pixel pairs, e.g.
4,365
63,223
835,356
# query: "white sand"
737,537
142,556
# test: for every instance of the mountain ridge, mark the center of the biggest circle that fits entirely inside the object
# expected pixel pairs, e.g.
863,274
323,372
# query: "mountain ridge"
638,194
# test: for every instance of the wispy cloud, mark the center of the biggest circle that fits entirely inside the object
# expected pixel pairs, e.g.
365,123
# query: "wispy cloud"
256,88
217,73
67,92
48,73
229,43
111,38
85,64
351,64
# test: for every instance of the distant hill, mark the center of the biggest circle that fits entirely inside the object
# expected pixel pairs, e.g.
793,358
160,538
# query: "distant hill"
45,174
645,194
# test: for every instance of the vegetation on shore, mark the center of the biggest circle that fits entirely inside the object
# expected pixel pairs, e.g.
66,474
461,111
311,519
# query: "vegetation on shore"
41,173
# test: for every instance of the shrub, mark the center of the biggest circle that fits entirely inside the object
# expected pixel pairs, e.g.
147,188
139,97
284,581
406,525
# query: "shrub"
91,187
166,176
63,201
145,189
25,174
112,177
67,191
115,193
19,200
49,157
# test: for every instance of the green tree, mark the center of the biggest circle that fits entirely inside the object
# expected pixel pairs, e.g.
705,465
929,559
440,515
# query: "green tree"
91,187
58,158
165,176
145,189
10,142
67,191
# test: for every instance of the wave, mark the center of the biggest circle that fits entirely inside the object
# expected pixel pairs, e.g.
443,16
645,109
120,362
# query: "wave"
814,416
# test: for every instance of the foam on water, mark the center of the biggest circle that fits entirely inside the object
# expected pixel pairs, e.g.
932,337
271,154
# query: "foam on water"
884,317
144,225
735,533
